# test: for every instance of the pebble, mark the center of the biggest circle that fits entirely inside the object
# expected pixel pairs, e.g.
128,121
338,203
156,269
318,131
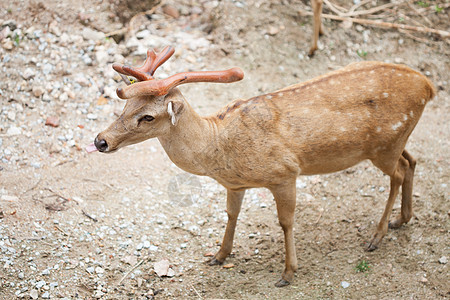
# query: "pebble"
11,115
40,284
443,260
345,284
171,11
91,34
91,116
13,130
45,295
52,121
38,91
28,73
34,294
90,270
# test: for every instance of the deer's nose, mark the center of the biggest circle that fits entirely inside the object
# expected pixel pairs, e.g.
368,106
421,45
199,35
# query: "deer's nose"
101,144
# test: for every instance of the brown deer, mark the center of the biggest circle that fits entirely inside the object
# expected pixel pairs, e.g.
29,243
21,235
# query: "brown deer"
366,110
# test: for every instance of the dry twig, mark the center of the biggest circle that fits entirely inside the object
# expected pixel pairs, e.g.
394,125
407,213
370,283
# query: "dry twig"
89,216
442,33
131,270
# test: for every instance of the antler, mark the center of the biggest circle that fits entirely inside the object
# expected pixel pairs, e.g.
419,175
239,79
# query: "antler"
146,71
163,86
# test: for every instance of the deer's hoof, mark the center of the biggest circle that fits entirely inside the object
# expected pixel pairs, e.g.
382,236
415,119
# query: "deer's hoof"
282,282
214,262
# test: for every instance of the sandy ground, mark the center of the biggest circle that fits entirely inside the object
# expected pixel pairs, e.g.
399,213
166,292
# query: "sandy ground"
81,226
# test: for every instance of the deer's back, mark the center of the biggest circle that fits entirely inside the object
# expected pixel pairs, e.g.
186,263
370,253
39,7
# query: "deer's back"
331,122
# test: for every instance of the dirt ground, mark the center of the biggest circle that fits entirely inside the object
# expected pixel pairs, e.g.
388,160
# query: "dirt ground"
81,226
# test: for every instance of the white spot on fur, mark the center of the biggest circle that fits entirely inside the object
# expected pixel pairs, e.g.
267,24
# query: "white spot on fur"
405,117
396,125
385,95
269,97
343,129
422,101
371,72
334,138
280,94
399,74
347,87
393,70
378,129
411,113
408,74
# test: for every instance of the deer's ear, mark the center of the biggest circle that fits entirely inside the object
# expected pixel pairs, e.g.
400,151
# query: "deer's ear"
174,108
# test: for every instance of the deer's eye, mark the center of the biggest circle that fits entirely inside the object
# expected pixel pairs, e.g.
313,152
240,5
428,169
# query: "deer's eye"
146,118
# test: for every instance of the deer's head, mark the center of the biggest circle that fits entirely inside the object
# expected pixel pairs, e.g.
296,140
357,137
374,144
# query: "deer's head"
153,106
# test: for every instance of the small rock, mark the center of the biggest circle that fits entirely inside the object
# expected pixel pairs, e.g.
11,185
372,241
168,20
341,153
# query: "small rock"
11,115
90,34
359,28
99,270
209,254
92,116
7,44
273,30
345,284
228,266
12,24
102,57
161,267
52,121
13,130
45,295
9,198
28,73
171,11
139,282
423,280
34,294
398,60
170,273
443,260
38,91
40,284
98,294
53,28
4,33
90,270
102,101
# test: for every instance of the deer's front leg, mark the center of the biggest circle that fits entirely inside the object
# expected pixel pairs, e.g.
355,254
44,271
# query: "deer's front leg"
285,199
234,202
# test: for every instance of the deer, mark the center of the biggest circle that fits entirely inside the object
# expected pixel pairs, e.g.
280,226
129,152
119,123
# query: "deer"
364,111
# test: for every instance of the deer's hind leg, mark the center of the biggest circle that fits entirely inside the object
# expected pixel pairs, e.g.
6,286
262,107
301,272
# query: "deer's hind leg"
397,179
407,188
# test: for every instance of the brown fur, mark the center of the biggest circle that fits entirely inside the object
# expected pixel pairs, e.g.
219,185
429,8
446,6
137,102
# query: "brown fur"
366,110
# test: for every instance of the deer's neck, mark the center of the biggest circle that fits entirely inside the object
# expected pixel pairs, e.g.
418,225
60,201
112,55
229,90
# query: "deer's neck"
192,143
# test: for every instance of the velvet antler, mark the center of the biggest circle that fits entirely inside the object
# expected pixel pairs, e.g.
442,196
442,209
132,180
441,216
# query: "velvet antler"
146,71
163,86
149,86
